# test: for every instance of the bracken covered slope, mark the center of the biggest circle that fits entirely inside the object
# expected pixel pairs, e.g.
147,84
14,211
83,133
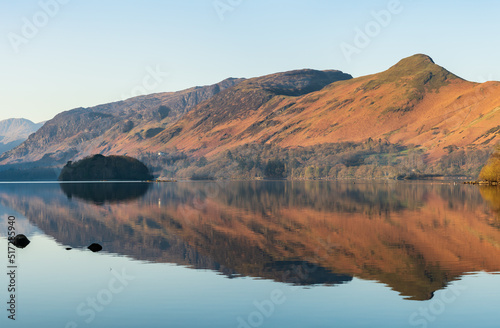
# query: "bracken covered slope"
415,102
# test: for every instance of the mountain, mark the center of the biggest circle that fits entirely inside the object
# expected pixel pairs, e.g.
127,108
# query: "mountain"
15,131
414,118
106,128
415,102
129,126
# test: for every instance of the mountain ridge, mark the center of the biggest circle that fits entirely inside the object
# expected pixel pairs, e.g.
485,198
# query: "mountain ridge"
75,132
84,127
378,106
415,103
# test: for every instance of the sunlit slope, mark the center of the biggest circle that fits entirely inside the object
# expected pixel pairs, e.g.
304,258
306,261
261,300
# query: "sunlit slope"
415,102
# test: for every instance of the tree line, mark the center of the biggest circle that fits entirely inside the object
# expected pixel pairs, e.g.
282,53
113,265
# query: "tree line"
346,160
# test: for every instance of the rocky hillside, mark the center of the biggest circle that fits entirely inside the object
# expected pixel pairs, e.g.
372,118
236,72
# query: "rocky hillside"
83,131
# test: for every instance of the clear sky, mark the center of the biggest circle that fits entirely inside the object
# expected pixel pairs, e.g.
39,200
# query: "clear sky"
82,53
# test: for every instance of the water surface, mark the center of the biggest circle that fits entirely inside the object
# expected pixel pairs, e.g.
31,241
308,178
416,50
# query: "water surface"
255,254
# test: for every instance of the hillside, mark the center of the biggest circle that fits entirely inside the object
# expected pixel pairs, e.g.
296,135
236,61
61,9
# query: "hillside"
416,118
131,126
15,131
105,128
415,102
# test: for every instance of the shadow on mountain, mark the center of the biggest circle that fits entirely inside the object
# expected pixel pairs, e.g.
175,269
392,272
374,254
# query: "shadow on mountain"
102,193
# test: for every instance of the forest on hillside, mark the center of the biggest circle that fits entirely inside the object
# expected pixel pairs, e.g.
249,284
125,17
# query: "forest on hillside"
347,160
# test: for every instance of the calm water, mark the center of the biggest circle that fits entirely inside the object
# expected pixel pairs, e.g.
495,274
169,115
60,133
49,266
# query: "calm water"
253,254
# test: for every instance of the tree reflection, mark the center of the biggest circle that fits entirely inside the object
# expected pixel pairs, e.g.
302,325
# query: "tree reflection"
101,193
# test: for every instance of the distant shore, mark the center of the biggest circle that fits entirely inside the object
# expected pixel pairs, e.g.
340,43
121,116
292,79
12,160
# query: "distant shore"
483,183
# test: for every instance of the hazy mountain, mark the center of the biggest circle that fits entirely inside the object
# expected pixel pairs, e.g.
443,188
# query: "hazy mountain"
15,131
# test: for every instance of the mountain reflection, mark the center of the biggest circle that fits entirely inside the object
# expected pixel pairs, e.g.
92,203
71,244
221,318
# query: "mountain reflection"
414,237
101,193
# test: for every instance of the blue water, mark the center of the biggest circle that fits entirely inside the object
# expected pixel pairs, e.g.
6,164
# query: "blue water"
139,280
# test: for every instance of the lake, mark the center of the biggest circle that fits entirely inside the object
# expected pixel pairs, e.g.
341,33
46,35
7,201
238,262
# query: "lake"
252,254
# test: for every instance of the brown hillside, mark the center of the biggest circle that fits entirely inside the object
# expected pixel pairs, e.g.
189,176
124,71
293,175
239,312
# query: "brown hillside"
414,102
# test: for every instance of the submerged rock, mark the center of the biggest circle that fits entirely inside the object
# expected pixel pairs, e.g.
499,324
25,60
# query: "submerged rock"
95,248
20,241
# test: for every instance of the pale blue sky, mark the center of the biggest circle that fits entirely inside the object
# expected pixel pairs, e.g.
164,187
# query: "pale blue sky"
92,52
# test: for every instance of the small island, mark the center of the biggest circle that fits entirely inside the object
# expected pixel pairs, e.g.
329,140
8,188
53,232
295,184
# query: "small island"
105,168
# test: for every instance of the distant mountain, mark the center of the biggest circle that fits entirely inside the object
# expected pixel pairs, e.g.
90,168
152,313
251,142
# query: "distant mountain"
15,131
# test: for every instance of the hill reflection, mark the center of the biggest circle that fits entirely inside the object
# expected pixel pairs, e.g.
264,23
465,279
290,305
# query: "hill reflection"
416,238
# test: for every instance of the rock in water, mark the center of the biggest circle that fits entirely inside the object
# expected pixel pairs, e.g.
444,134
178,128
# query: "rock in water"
95,248
20,241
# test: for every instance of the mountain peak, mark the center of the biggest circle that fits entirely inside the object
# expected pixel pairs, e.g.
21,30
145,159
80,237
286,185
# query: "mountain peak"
417,60
17,125
14,131
419,64
414,63
297,82
420,71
